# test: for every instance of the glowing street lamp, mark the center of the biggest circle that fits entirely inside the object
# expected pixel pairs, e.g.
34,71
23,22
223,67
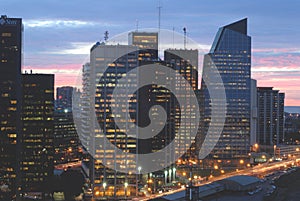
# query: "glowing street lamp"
104,188
166,174
174,173
125,185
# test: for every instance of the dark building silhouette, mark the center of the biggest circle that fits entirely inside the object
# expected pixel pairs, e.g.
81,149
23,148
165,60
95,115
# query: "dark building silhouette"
38,128
10,99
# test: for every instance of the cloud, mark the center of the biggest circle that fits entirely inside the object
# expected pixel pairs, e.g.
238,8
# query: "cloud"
275,51
82,48
57,23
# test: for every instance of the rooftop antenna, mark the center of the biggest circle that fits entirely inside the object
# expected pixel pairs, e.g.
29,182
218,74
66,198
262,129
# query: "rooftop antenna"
106,36
184,31
173,36
137,25
159,10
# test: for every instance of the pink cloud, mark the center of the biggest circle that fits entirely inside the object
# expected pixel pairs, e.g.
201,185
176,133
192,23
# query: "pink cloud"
279,71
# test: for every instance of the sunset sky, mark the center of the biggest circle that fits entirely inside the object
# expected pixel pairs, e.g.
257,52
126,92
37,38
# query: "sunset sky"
58,34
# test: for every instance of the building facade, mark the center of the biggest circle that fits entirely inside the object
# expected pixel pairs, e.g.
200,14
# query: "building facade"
66,142
270,130
231,55
108,63
254,114
10,100
38,132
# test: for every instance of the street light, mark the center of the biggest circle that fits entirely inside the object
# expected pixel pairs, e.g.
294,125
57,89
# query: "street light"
125,185
138,178
104,188
174,173
274,151
166,174
256,147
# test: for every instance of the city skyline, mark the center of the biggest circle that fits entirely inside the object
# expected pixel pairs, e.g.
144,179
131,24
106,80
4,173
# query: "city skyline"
121,151
58,36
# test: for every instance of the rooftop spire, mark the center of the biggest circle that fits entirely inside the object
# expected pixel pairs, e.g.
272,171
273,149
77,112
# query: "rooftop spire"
239,26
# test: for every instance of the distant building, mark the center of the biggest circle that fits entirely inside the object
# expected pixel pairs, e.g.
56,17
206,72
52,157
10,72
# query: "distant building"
64,98
292,128
37,135
270,116
231,54
253,120
66,142
10,99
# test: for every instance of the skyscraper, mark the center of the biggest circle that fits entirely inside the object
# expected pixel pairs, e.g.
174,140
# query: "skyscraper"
108,63
270,116
185,63
37,137
10,98
231,54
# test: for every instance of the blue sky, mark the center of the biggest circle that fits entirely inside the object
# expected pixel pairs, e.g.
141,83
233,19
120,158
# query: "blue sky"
58,34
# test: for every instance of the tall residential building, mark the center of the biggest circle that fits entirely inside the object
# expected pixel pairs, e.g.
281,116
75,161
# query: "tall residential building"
10,99
231,55
37,134
270,130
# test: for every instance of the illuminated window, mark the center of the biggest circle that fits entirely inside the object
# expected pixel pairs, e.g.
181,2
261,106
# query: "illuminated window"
6,34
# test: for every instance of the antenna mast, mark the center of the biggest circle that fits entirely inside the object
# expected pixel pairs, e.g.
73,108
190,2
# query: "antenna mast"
137,25
106,36
184,31
159,10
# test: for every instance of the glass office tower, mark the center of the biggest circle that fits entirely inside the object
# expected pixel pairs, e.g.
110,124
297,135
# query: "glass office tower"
231,54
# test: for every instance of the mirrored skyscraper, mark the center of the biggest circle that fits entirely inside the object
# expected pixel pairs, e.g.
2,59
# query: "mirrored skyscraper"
231,54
